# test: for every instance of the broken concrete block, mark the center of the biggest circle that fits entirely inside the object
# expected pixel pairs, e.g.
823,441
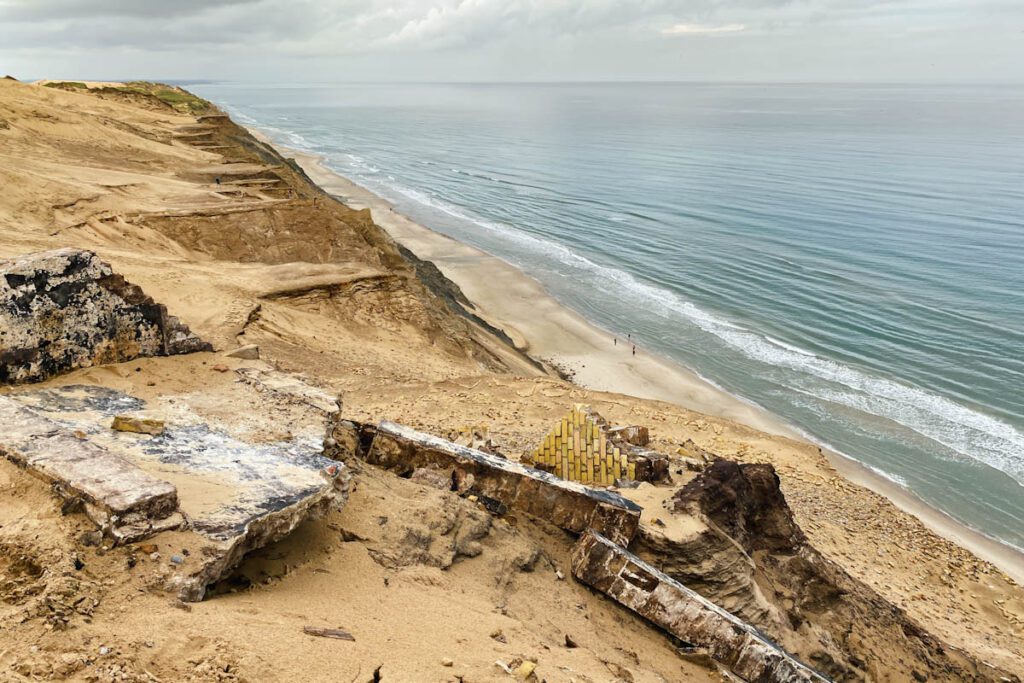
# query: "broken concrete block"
118,495
237,496
684,614
504,485
248,352
65,309
137,425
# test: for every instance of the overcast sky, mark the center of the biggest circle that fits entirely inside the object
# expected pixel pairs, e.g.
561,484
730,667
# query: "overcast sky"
499,40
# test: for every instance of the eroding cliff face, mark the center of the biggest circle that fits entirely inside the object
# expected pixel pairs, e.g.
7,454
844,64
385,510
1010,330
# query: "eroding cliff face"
66,309
749,556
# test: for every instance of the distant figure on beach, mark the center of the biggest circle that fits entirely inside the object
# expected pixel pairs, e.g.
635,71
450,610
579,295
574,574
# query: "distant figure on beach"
217,179
634,349
615,342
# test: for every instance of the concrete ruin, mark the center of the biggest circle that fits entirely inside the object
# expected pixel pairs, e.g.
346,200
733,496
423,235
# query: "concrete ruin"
234,495
118,496
583,447
66,309
501,485
684,614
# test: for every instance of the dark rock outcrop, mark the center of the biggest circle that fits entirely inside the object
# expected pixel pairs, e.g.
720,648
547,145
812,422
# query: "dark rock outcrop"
744,501
751,558
66,309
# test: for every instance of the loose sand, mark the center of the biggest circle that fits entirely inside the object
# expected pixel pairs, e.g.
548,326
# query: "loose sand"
108,176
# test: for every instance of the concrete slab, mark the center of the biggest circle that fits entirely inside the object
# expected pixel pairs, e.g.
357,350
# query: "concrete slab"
66,309
118,496
235,494
683,613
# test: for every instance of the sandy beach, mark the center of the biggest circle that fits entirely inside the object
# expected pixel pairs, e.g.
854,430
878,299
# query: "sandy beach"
548,330
430,584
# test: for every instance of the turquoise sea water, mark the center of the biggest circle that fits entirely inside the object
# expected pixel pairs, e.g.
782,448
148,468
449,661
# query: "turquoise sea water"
851,258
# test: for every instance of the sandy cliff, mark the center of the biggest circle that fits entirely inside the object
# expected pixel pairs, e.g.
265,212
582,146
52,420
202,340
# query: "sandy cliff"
240,245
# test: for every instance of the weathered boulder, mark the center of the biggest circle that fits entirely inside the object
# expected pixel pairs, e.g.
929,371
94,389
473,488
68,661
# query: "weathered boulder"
502,485
684,614
66,309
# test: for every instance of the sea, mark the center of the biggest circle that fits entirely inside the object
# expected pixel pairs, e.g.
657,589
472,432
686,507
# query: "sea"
848,257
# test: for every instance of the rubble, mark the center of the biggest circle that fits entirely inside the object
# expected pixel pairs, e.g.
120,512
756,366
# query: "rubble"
66,309
500,484
624,577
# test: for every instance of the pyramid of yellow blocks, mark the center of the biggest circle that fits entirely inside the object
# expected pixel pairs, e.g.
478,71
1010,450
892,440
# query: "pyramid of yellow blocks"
578,449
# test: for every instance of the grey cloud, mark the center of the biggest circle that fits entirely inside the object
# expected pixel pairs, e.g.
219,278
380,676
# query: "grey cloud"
41,10
506,38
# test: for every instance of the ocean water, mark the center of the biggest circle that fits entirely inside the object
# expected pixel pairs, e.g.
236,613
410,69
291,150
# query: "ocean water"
851,258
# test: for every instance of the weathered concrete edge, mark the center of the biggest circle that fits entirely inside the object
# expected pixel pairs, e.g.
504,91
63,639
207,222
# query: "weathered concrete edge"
757,655
262,531
495,461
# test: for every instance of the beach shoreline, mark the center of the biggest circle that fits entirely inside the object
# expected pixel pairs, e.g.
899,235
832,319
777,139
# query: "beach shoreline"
546,329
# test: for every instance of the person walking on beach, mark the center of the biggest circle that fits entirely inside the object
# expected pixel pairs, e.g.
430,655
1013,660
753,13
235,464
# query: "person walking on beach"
634,349
615,341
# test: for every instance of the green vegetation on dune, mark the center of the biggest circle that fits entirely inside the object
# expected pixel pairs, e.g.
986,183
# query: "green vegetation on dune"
177,98
67,85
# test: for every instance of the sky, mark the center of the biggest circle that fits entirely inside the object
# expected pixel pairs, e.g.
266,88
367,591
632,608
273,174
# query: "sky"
909,41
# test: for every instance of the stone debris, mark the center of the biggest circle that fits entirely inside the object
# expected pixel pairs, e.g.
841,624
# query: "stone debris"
583,447
247,352
137,425
624,577
501,485
336,633
237,496
66,309
633,434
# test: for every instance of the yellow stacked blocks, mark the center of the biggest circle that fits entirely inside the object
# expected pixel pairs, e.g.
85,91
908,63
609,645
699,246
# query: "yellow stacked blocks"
578,449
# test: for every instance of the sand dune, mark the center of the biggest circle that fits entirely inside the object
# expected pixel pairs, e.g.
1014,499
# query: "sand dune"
265,257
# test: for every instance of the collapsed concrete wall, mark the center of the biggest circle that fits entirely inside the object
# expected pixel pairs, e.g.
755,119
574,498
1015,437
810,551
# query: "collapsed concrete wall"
633,583
502,485
66,309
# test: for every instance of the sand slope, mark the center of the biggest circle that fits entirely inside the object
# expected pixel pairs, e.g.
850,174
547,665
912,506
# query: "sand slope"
325,292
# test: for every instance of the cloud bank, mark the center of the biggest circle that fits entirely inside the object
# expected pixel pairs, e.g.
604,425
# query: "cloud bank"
975,40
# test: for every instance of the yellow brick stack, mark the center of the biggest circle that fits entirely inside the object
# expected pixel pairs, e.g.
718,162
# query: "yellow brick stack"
578,449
